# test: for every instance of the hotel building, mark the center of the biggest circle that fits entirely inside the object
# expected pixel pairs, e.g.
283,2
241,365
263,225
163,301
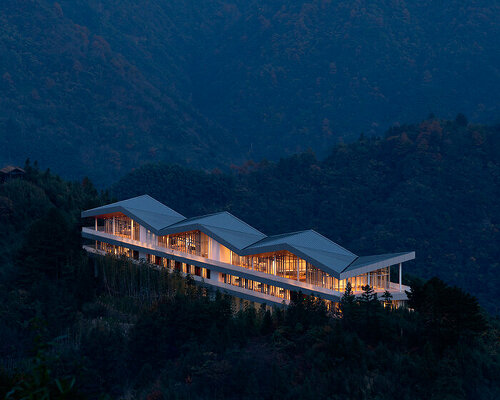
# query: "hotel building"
226,253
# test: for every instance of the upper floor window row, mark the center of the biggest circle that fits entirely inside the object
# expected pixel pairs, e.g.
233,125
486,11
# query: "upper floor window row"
282,263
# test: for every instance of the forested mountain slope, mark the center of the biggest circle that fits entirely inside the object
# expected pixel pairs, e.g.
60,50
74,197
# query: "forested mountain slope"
80,105
432,187
77,327
111,84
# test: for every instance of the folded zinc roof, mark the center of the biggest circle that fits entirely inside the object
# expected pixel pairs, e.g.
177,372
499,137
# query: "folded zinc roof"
309,245
144,209
243,239
224,227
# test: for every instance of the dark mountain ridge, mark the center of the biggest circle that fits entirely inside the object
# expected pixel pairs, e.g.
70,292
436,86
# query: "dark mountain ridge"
67,91
109,85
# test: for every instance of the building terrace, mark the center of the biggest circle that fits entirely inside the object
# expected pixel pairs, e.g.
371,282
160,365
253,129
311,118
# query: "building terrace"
224,252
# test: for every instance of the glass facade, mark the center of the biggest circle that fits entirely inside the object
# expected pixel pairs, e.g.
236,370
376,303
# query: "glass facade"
116,250
256,286
282,263
178,266
193,242
123,227
287,265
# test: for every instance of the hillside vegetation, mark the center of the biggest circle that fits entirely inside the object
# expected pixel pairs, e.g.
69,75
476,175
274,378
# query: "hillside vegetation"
109,85
431,187
73,327
67,91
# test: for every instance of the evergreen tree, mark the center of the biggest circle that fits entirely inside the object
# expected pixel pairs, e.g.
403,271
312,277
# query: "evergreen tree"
348,298
448,312
387,299
368,301
348,304
367,296
50,245
369,310
267,323
297,309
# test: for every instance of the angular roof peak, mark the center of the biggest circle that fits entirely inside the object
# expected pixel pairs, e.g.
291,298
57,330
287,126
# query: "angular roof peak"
370,263
223,226
244,239
309,245
145,209
10,168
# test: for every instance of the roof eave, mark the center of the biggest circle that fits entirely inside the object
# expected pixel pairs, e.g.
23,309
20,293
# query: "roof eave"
172,230
285,246
349,273
95,212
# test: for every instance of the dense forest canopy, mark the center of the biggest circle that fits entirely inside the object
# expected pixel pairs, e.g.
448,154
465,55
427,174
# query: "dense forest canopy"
74,327
431,187
111,84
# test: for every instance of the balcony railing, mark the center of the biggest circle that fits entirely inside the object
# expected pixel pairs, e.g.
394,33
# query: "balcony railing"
394,287
233,269
235,290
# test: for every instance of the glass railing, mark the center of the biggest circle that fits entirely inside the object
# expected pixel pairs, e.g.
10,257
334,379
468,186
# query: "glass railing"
379,279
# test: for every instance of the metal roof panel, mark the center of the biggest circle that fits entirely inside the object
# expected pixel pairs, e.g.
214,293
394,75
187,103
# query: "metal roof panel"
145,209
310,245
243,239
230,230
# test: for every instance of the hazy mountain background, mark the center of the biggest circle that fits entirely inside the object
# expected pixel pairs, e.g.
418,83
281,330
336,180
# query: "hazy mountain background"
108,85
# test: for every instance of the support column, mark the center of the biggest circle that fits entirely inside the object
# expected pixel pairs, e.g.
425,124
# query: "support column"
252,264
142,234
95,223
132,229
369,283
400,275
297,268
114,228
